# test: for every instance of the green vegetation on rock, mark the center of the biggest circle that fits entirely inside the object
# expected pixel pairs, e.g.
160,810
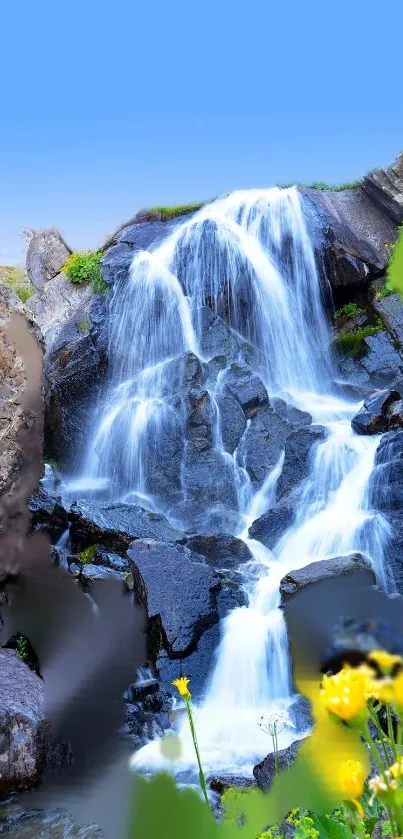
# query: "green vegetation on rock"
86,555
84,326
352,342
85,267
350,310
166,213
17,280
394,271
321,187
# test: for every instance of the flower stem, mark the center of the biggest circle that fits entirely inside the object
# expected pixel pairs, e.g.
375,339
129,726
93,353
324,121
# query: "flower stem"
202,779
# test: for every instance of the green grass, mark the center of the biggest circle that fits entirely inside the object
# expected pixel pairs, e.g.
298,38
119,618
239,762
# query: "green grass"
84,268
321,187
352,343
350,310
84,326
17,280
86,555
167,213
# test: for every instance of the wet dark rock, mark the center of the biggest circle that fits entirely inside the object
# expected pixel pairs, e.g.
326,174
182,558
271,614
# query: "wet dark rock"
232,420
386,496
246,387
221,785
351,235
193,517
48,513
115,526
111,560
222,552
217,338
178,589
315,572
293,416
383,358
300,714
265,771
115,263
263,443
91,573
197,666
60,303
299,449
26,746
74,376
201,418
271,526
144,726
383,411
209,479
390,309
385,189
351,640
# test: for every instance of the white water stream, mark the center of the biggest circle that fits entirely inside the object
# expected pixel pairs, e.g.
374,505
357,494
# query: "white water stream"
250,259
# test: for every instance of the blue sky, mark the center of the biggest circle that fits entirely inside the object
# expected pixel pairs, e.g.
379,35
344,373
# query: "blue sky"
108,108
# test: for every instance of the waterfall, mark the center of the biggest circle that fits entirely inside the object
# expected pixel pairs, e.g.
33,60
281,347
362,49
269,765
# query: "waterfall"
249,259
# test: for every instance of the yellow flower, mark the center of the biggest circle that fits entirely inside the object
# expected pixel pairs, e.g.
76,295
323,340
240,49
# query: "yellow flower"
385,661
345,694
182,687
352,777
381,689
398,690
396,770
381,784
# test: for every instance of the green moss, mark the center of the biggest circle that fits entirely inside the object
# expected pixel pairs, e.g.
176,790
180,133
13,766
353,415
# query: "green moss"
350,310
17,280
51,462
322,187
84,326
166,213
86,555
352,343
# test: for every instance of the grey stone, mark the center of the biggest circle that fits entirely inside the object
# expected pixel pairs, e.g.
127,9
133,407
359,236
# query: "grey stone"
390,308
382,411
26,747
48,513
232,420
385,188
57,303
177,587
265,771
246,387
382,357
263,443
47,252
116,525
271,526
299,448
336,566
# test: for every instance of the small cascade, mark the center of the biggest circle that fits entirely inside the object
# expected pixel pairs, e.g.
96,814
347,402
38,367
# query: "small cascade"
248,260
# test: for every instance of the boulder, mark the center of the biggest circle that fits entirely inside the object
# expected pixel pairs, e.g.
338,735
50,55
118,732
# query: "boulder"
299,449
337,566
115,526
351,234
115,263
222,551
48,513
382,411
178,589
217,338
26,747
232,420
385,189
390,309
383,360
271,526
263,443
265,771
197,666
386,496
246,387
47,252
59,302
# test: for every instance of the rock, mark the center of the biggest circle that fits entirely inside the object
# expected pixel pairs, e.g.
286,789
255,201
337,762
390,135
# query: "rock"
33,823
223,552
351,235
263,443
47,252
265,771
246,387
178,589
385,188
351,640
382,358
292,415
232,420
386,496
221,785
383,411
26,748
116,525
91,573
21,421
209,479
217,338
299,449
48,513
115,264
271,526
111,560
337,566
57,303
197,666
390,309
74,376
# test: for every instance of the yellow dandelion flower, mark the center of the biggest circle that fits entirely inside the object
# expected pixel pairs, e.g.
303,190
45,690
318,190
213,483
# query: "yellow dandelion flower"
385,661
345,694
182,687
396,770
352,778
398,691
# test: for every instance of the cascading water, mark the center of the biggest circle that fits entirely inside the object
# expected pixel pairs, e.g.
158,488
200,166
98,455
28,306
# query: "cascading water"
249,259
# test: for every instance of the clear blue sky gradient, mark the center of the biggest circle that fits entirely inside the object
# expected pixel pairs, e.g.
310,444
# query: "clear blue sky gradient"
108,108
